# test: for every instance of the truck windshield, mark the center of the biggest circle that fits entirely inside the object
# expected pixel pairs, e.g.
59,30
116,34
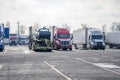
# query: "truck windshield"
63,36
97,36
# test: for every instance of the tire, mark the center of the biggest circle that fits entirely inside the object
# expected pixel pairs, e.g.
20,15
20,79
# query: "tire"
1,49
118,47
75,46
30,46
96,49
57,48
50,50
103,49
110,46
91,48
70,49
34,48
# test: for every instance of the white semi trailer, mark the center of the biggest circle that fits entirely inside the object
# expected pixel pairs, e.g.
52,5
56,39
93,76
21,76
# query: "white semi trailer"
89,37
113,39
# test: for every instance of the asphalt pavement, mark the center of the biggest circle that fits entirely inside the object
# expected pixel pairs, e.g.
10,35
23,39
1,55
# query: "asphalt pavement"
20,63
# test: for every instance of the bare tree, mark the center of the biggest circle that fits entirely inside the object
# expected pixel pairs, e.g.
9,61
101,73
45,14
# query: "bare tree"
22,29
104,28
84,26
36,26
66,26
115,26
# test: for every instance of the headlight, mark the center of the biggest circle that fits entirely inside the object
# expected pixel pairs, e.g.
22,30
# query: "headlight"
93,43
103,43
1,41
58,42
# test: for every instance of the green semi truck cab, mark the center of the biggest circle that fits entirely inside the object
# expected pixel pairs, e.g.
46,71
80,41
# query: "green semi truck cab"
39,40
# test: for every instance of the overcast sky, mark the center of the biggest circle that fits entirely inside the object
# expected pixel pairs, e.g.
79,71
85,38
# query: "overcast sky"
56,12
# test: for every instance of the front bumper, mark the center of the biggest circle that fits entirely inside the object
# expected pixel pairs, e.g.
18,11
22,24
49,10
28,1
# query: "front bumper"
43,48
65,47
98,47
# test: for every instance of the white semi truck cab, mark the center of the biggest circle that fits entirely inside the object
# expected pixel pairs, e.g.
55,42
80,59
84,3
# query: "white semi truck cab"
96,39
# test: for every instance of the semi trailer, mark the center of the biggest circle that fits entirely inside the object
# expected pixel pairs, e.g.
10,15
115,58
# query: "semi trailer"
113,39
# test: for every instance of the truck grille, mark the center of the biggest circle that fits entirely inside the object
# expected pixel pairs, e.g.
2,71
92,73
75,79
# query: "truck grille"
99,43
23,42
65,43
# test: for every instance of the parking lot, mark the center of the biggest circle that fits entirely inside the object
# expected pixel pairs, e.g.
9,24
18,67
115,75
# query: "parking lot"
20,63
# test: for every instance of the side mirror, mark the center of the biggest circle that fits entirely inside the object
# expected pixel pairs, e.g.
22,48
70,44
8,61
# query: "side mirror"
89,37
71,37
54,37
2,38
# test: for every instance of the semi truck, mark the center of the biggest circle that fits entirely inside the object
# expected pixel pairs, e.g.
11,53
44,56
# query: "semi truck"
1,37
89,38
13,39
61,38
6,35
23,39
113,39
39,40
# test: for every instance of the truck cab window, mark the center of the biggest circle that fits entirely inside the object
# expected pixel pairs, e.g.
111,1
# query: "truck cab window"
97,37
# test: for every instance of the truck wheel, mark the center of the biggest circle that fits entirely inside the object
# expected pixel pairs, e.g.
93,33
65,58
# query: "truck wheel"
118,47
91,48
57,48
84,46
103,49
35,49
29,46
95,48
1,49
110,46
75,46
70,49
50,50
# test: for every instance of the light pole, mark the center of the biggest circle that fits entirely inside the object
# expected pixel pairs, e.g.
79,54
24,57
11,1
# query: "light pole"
53,27
18,37
18,27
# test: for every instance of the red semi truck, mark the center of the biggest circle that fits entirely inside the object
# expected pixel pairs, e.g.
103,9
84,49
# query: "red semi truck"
60,38
13,39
